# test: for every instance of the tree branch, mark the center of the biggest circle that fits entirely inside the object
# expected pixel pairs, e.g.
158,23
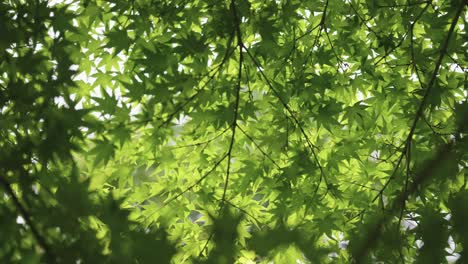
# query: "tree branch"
27,218
431,83
198,181
236,104
290,112
420,110
402,39
181,106
259,148
240,45
425,174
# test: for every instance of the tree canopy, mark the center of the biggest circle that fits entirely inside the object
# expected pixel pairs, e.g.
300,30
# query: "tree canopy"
240,131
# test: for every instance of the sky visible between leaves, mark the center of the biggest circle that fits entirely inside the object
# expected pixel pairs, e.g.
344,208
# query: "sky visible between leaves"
236,131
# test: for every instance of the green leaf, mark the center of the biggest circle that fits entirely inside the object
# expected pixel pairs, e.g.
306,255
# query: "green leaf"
103,150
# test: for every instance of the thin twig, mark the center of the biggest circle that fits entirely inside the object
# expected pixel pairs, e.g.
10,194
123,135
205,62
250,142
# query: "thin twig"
290,112
236,104
404,5
181,106
258,147
240,45
425,174
422,105
27,218
402,39
202,143
198,181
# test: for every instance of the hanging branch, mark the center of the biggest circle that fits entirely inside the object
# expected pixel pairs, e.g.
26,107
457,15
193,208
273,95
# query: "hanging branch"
430,85
236,104
240,45
198,181
291,114
181,106
202,143
425,174
259,148
27,218
421,107
402,39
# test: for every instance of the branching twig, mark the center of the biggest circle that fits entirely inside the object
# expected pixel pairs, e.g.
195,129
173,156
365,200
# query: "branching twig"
236,104
198,181
321,26
241,209
364,21
422,105
290,112
202,143
240,45
404,5
402,39
258,147
422,177
27,218
181,106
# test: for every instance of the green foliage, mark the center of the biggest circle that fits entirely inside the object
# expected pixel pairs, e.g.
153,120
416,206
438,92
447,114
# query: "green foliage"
240,131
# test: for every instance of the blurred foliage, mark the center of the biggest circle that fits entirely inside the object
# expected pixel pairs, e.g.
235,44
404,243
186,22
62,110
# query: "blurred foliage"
240,131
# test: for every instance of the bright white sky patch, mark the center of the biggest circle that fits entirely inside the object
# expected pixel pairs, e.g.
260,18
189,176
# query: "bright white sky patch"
361,96
20,220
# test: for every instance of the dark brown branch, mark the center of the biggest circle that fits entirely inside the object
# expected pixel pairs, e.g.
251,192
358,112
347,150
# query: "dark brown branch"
240,45
405,188
404,5
202,143
431,83
27,218
258,147
198,181
424,175
402,39
181,106
206,244
236,104
422,105
290,112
